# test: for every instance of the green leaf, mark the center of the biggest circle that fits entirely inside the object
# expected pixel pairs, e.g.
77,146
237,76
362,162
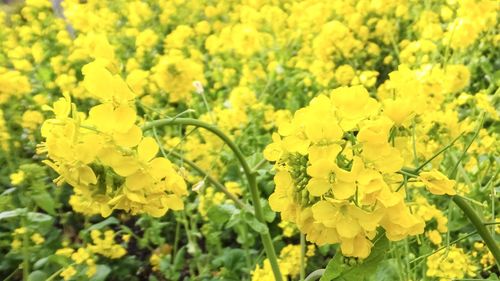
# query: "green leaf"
104,223
220,214
234,220
12,213
37,275
41,262
38,217
387,270
337,270
102,271
269,215
255,224
45,202
493,276
334,268
179,258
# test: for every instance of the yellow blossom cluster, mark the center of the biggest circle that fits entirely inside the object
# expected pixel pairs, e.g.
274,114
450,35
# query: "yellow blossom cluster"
106,247
105,156
450,264
288,261
336,173
103,244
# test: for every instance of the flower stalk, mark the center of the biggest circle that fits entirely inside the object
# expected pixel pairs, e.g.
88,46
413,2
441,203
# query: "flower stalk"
249,173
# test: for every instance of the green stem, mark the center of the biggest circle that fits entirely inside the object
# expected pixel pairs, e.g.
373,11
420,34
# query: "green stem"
213,181
438,153
176,240
480,227
252,182
26,262
462,156
302,257
443,247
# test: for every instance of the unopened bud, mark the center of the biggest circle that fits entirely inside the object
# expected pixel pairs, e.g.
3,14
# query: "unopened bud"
198,186
198,87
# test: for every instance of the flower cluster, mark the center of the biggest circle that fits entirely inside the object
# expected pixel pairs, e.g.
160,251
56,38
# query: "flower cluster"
105,156
336,173
451,264
84,258
288,261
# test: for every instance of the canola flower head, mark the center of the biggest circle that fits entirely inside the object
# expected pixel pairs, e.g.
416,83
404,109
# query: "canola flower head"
336,173
104,155
451,264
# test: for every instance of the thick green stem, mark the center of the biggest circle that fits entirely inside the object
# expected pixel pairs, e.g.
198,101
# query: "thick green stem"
250,175
480,227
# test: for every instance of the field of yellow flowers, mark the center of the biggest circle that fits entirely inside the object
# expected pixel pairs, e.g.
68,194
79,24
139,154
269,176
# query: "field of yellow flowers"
331,140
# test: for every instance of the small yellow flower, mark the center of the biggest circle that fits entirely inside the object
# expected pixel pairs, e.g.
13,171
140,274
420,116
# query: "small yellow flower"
17,178
65,252
80,256
435,237
68,273
16,244
20,231
37,238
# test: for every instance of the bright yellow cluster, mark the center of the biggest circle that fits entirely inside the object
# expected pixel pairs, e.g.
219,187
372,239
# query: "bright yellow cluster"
105,156
84,258
80,257
12,84
430,213
4,133
336,173
288,261
486,258
106,246
450,264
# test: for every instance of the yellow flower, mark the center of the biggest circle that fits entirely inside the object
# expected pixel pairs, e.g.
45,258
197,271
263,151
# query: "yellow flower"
67,252
354,104
451,264
437,183
105,86
20,231
17,178
344,74
37,238
399,110
67,273
31,119
16,244
80,256
435,237
107,246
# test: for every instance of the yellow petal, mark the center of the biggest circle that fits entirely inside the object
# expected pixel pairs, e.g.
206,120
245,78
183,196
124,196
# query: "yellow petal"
343,190
347,227
318,187
321,168
102,117
125,166
129,139
137,181
147,149
126,117
173,202
160,168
